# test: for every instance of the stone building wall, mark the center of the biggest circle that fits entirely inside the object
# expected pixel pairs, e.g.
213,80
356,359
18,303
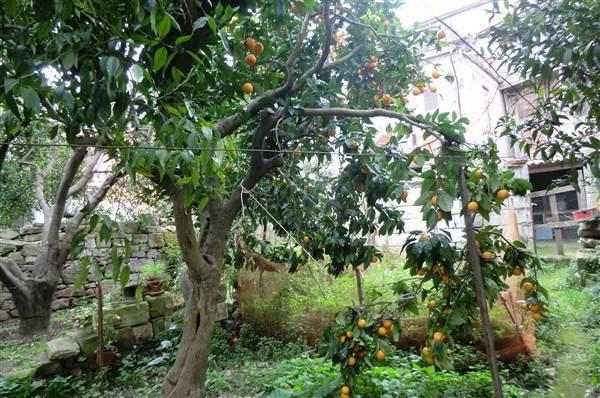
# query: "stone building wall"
22,245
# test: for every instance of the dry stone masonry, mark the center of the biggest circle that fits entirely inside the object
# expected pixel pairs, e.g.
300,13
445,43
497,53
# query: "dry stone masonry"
588,255
22,245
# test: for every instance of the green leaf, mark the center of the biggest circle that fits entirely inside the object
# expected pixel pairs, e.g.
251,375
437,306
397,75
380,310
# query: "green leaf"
164,27
137,73
199,23
212,24
445,201
31,99
112,66
160,59
69,59
183,39
124,276
9,84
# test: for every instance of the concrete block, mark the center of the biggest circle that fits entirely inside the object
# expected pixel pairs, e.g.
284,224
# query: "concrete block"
143,333
128,314
160,305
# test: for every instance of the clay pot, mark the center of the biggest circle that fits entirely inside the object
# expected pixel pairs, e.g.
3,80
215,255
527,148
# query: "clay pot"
154,286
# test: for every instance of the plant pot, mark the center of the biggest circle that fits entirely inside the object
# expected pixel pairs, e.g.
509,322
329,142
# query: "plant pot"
109,356
154,286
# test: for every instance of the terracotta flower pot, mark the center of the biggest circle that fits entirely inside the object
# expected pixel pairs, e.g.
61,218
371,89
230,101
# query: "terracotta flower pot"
154,286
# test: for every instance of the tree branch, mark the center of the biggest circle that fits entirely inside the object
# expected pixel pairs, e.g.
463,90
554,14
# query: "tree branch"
343,59
87,174
38,184
227,125
10,275
73,225
345,112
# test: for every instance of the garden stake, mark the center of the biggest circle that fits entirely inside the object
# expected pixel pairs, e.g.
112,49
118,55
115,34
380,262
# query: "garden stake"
100,351
479,288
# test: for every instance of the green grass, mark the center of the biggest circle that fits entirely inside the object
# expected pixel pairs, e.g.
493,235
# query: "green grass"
548,248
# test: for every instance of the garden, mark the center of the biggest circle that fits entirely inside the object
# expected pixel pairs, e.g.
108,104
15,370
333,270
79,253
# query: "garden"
255,199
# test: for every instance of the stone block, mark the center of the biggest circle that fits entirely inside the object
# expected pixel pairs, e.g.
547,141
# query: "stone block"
9,234
102,243
142,333
155,229
128,314
129,227
14,313
46,367
587,243
30,250
6,248
221,311
62,347
63,293
70,272
8,305
90,242
589,233
16,257
152,253
156,241
161,324
160,305
222,293
30,260
88,343
125,339
30,230
140,238
4,316
60,304
32,238
138,254
118,242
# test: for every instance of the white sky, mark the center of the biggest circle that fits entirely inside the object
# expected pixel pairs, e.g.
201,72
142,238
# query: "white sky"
422,10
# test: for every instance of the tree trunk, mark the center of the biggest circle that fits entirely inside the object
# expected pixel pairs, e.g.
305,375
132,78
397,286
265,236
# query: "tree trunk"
34,303
188,375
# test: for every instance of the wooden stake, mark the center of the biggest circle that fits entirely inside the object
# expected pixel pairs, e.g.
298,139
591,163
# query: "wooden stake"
479,287
100,351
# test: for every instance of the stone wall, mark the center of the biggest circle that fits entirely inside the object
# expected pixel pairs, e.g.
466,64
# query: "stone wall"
588,255
21,246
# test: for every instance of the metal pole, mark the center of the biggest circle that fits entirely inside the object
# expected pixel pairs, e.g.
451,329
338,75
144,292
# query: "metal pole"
479,287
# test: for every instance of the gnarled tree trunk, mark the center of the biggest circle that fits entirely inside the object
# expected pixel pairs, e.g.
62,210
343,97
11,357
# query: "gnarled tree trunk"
33,293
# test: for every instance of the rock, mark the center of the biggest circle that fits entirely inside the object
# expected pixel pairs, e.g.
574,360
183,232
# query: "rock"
139,254
118,242
161,324
32,238
30,250
46,367
16,257
62,347
587,243
128,314
70,272
153,253
60,304
160,305
13,242
31,230
125,340
156,241
221,311
8,305
155,229
140,238
143,333
222,294
9,234
7,248
90,242
63,293
102,243
129,227
4,316
88,343
589,233
14,313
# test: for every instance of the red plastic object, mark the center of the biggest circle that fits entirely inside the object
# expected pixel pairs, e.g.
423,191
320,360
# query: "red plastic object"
585,213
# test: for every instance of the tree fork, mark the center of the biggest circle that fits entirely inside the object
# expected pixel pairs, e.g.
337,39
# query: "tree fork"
479,287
